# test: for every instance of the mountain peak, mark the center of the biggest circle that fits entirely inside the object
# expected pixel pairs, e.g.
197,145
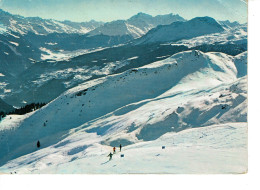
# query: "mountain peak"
170,16
140,15
182,30
204,19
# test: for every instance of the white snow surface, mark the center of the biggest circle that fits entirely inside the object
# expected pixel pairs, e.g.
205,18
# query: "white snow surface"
212,149
142,109
14,43
62,55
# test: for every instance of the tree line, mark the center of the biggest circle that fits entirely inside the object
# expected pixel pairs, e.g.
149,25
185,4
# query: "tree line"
23,110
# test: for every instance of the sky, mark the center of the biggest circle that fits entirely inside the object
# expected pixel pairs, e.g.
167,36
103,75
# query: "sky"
108,10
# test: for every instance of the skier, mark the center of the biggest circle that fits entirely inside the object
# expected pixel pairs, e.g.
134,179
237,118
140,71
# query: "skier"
110,156
114,150
38,144
120,147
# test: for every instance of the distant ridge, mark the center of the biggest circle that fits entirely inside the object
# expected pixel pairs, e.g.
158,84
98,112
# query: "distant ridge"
136,26
182,30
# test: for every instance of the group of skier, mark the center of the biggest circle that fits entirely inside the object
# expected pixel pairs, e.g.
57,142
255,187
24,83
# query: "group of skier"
114,151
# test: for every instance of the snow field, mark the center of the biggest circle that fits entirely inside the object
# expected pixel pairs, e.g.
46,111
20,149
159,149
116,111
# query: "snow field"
190,89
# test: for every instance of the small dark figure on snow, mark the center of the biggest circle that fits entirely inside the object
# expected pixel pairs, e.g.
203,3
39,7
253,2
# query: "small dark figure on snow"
120,147
114,150
110,156
38,144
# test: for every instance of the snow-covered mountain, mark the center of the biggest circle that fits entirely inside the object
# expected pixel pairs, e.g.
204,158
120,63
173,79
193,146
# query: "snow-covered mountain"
144,82
60,71
39,26
136,26
228,24
27,40
198,26
189,89
57,76
46,80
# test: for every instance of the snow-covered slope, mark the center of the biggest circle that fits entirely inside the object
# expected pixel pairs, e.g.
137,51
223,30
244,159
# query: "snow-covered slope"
182,30
136,26
200,150
189,89
23,25
61,75
193,103
20,55
241,64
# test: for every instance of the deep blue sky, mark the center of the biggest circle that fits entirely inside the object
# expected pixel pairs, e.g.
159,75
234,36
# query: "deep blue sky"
108,10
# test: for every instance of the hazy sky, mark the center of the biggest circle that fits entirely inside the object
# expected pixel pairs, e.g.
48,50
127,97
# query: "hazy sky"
108,10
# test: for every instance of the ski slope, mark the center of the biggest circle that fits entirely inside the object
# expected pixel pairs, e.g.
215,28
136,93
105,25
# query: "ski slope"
212,149
188,90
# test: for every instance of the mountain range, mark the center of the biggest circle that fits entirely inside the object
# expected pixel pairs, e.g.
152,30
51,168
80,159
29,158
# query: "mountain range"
172,92
44,60
39,26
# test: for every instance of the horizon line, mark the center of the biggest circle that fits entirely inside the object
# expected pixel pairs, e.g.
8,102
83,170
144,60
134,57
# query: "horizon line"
91,20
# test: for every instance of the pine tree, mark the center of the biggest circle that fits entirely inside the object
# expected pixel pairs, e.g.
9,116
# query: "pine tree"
38,144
